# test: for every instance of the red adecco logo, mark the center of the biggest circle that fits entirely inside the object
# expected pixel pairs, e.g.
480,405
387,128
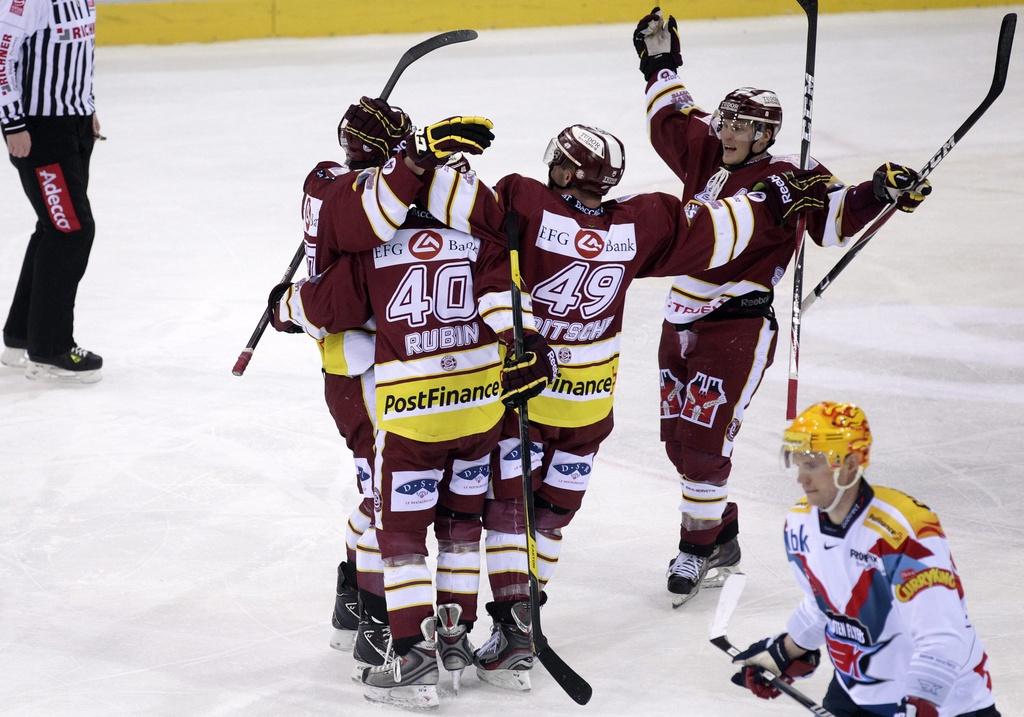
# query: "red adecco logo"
425,245
55,196
589,243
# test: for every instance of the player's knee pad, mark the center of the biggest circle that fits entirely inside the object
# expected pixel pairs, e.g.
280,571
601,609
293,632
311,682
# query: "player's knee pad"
551,517
703,485
397,543
455,528
504,516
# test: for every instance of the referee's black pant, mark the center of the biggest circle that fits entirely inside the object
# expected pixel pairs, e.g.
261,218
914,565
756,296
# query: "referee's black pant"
55,176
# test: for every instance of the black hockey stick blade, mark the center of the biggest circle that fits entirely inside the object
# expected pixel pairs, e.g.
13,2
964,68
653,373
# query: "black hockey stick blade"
1003,49
417,51
575,686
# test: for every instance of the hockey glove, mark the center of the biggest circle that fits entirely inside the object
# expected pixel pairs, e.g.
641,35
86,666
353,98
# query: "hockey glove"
770,654
899,185
279,314
916,707
657,44
523,379
790,194
432,145
371,131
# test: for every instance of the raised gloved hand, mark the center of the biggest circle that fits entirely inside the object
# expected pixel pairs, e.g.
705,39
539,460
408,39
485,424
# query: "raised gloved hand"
790,194
895,184
432,145
279,310
523,379
371,131
770,653
916,707
657,43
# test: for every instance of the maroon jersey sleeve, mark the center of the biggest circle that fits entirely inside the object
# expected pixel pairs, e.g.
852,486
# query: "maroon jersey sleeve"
347,211
333,301
680,131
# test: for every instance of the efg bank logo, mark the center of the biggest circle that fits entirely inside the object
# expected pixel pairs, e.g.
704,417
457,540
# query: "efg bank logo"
425,245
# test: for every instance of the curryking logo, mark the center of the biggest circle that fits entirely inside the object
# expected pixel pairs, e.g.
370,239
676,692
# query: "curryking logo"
589,243
915,582
425,245
17,7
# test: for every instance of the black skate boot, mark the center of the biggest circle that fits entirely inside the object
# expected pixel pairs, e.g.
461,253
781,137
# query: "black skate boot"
722,564
506,658
373,640
408,680
345,618
685,573
453,645
75,365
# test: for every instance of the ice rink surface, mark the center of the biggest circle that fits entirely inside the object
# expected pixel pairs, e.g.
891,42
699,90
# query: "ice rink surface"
169,536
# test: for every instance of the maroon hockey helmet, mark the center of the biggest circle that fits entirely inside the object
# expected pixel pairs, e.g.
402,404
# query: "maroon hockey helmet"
371,131
598,156
760,107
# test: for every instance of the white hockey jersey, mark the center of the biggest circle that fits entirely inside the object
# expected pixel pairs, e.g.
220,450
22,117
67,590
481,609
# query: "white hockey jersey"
882,594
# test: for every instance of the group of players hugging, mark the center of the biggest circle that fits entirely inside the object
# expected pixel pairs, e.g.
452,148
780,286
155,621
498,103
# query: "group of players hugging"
410,301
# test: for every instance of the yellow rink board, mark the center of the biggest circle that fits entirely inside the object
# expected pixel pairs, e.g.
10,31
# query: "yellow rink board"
124,23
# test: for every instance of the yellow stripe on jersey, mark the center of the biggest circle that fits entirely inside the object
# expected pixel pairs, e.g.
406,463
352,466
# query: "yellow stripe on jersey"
442,407
733,220
579,396
451,197
886,526
349,353
923,521
384,210
801,507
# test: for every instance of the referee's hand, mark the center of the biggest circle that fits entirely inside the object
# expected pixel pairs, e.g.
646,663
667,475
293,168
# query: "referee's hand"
19,144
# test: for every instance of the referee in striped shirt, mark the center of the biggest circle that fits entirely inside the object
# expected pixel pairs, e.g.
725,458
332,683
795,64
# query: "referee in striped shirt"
47,115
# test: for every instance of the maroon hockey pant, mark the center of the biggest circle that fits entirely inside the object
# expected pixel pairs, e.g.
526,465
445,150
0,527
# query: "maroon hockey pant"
417,484
704,395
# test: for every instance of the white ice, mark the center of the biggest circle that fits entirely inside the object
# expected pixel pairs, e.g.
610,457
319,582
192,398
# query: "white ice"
169,536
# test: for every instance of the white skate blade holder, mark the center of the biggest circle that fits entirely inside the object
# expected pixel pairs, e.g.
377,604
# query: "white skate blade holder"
45,372
715,579
416,697
515,680
342,640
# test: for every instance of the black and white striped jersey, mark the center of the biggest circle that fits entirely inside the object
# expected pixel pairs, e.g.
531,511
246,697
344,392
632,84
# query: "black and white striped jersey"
47,51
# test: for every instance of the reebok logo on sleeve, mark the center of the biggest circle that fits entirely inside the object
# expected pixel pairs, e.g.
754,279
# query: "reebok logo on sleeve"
57,198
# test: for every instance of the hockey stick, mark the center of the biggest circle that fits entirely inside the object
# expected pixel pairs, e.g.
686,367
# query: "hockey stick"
998,81
811,8
410,56
727,603
575,686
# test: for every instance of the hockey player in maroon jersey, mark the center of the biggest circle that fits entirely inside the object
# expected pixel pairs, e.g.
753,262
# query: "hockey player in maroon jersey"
579,254
443,299
370,131
719,333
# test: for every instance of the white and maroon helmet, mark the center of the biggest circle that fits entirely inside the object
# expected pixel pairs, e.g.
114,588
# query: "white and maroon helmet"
598,156
762,107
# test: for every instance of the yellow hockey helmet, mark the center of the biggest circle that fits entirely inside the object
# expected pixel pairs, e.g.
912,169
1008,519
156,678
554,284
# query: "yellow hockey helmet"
833,429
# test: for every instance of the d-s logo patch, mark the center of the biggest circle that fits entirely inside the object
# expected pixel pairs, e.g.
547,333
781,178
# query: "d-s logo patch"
704,394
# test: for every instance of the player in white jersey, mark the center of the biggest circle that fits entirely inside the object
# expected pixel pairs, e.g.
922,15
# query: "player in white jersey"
881,590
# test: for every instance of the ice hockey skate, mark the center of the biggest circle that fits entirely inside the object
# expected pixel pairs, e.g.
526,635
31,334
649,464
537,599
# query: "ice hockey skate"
408,680
373,639
73,366
453,645
506,658
13,357
688,573
345,618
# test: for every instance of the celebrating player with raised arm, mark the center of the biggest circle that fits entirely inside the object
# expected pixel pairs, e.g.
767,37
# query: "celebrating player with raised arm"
579,254
719,333
881,590
442,299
